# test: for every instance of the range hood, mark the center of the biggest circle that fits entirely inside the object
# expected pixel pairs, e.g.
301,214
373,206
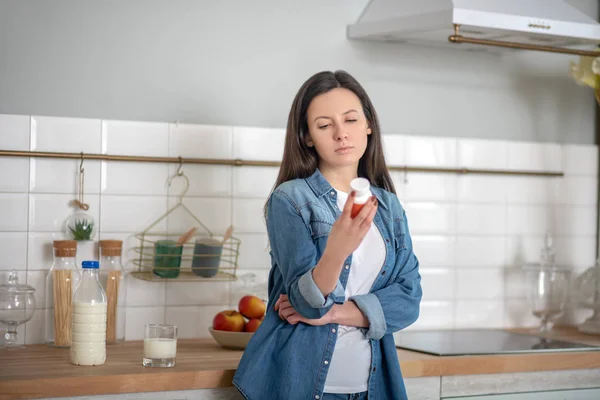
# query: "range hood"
545,25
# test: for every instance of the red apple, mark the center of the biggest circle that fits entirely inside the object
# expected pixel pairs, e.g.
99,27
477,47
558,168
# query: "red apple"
229,320
252,307
252,325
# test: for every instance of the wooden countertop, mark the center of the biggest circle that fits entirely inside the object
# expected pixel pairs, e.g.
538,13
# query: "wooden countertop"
39,371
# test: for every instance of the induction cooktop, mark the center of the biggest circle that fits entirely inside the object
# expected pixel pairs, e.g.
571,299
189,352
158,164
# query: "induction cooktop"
481,341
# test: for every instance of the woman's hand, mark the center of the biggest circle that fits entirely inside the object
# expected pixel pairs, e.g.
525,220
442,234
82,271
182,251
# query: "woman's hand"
287,313
347,233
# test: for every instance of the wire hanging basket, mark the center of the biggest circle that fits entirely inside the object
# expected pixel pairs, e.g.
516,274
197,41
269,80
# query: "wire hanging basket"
197,255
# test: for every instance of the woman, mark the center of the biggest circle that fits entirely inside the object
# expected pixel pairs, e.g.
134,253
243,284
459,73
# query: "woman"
339,287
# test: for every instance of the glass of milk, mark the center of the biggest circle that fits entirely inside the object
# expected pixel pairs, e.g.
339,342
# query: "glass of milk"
160,345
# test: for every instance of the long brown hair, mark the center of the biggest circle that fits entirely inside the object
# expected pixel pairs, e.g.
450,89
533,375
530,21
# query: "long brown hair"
301,161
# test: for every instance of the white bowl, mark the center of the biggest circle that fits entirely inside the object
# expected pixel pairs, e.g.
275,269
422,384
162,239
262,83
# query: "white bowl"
231,340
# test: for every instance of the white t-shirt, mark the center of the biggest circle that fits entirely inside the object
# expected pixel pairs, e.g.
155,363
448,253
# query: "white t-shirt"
351,360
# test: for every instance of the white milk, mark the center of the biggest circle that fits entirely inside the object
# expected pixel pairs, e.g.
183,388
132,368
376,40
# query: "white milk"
88,346
160,348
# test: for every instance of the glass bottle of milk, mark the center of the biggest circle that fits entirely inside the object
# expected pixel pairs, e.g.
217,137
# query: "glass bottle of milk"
88,346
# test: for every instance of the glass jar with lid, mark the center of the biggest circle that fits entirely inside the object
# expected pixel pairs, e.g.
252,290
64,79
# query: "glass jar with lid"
112,278
17,306
61,281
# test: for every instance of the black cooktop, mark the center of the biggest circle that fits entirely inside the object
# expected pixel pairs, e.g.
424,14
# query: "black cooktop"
481,341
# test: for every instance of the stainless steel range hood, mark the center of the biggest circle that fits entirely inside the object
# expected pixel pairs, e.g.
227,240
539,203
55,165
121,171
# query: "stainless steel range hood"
546,25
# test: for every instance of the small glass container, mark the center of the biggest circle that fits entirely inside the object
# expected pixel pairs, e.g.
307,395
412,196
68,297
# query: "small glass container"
112,278
81,226
17,306
160,345
61,281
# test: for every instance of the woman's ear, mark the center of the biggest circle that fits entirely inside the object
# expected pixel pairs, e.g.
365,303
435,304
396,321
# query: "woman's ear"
368,131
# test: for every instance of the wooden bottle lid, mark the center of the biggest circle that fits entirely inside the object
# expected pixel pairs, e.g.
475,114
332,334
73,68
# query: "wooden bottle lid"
65,248
111,247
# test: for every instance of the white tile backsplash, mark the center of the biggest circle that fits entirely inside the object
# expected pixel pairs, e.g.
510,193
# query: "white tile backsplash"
14,173
62,176
251,143
135,138
49,212
14,132
13,247
72,135
150,178
471,233
201,141
14,215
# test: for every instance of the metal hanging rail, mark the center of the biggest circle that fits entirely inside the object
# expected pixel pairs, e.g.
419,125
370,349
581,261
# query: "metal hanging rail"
240,163
458,38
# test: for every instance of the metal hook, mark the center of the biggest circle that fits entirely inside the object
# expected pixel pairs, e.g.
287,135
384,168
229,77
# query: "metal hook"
81,163
179,171
181,174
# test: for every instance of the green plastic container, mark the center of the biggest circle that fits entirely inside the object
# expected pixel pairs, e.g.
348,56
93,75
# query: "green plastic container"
167,258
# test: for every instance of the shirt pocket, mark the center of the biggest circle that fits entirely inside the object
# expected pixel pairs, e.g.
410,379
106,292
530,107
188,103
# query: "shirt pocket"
398,233
320,222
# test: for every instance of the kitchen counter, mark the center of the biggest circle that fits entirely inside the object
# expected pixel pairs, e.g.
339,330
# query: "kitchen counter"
39,371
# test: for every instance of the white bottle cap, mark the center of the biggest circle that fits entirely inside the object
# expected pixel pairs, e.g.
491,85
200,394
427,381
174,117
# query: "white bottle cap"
362,188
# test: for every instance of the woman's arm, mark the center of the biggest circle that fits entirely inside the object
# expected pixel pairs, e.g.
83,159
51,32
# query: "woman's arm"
343,314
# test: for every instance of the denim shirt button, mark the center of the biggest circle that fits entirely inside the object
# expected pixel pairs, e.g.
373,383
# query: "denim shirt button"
333,330
383,273
347,266
332,193
317,397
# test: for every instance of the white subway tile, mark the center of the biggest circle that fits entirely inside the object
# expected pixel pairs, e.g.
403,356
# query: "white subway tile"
430,151
482,154
37,280
87,250
480,283
430,187
435,251
14,132
35,328
434,315
62,176
580,159
128,253
135,138
393,150
13,212
148,178
516,285
132,213
431,218
40,252
214,213
192,321
14,172
399,183
144,293
13,247
254,252
194,293
576,251
73,135
480,188
49,212
531,220
248,216
138,317
479,313
254,181
204,180
576,220
481,219
438,283
475,251
533,190
517,314
201,141
534,156
258,143
21,275
250,282
577,190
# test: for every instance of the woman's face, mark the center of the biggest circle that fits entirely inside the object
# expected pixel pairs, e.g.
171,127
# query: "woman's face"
338,128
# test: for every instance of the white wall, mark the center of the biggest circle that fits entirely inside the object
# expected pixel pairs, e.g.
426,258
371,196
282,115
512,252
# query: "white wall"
470,233
240,63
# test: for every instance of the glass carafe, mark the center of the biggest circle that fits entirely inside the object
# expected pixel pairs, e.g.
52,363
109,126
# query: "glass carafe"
548,287
61,281
89,318
17,305
112,278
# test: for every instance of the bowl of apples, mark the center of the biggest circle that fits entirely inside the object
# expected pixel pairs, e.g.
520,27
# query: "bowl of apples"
233,329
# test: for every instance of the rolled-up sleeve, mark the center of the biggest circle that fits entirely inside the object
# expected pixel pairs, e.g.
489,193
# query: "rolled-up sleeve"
295,255
397,305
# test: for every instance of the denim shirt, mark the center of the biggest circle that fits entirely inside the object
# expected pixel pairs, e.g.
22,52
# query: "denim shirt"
289,362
